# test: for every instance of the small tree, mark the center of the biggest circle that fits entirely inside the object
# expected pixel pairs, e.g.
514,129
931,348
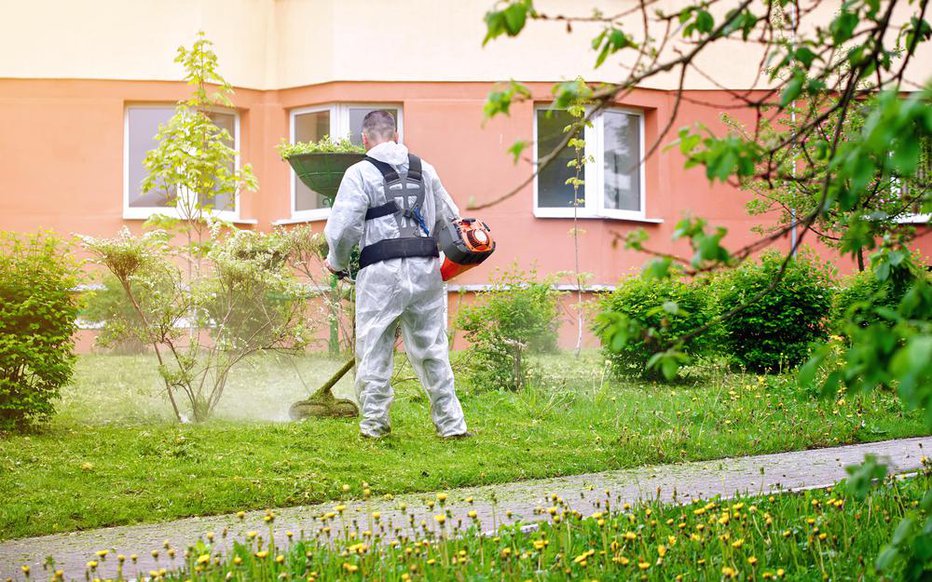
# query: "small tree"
236,295
38,310
244,300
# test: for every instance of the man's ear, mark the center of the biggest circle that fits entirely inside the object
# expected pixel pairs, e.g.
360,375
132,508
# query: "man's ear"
365,140
395,137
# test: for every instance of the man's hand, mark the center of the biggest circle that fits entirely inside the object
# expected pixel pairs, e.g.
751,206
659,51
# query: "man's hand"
330,267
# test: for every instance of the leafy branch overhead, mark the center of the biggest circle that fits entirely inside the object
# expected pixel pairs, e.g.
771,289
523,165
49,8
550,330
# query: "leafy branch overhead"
836,137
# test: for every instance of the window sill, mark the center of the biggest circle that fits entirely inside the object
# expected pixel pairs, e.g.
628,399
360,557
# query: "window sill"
640,219
245,221
298,220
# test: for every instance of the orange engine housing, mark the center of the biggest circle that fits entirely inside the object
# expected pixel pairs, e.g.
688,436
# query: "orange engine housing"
465,243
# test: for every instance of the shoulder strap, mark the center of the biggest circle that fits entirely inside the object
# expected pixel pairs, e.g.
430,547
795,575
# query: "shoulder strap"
388,172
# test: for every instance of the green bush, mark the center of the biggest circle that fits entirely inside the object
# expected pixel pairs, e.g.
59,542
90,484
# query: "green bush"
517,315
38,311
776,332
661,310
862,293
111,307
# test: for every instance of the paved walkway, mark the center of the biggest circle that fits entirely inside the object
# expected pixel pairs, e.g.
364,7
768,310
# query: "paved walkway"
512,502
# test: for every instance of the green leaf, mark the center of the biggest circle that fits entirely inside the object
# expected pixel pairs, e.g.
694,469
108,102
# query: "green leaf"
792,90
517,148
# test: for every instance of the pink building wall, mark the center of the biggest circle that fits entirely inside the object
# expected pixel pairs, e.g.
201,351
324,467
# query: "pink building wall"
61,166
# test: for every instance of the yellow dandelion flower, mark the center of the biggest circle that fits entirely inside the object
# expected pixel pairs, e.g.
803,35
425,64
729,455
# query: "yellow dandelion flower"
203,559
440,518
263,554
340,508
441,497
752,560
630,536
92,565
351,568
781,572
662,550
376,515
622,560
737,543
472,514
237,560
241,515
643,565
729,572
280,559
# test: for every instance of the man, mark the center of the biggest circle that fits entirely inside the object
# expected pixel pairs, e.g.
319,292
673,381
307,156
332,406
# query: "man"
385,204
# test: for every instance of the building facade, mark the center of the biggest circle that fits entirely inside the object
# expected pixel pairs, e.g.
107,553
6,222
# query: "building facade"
84,85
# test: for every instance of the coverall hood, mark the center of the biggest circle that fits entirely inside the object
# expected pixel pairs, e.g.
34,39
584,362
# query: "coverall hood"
390,153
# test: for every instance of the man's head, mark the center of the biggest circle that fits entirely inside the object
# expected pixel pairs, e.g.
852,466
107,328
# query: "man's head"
378,127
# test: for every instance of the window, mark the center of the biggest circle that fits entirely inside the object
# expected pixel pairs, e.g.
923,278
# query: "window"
337,121
614,183
142,124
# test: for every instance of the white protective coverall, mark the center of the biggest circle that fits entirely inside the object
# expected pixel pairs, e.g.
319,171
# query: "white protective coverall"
408,290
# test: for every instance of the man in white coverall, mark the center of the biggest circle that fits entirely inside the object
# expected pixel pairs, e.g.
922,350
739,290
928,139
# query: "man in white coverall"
388,204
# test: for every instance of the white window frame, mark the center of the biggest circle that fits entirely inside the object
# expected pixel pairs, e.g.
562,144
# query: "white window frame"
339,128
146,212
594,174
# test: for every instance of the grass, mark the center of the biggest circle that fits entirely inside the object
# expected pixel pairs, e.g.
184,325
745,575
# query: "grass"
820,534
113,456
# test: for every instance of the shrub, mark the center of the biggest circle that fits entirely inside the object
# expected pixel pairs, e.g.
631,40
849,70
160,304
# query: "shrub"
517,315
660,310
776,331
38,311
111,307
862,293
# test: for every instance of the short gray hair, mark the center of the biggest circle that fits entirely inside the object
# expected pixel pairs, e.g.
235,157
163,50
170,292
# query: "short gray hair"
379,125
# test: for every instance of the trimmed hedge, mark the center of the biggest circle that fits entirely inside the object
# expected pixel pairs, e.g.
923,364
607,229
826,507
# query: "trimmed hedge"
775,333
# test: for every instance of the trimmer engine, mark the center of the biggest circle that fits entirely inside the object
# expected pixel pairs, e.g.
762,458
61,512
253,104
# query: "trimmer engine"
465,243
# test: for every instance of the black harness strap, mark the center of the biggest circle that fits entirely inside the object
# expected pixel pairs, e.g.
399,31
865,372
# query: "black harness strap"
396,248
409,244
388,172
389,207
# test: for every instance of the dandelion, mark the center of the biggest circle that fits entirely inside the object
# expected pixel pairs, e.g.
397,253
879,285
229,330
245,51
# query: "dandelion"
279,559
643,565
203,559
737,543
630,536
351,568
340,509
26,569
440,518
662,550
472,514
729,572
92,565
781,572
376,515
237,560
752,560
442,497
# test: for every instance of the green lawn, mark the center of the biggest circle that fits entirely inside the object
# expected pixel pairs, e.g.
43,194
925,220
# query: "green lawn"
113,456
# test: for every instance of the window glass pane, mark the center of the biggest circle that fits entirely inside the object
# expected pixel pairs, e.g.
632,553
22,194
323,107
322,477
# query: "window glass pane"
552,189
622,158
143,125
309,127
357,114
225,121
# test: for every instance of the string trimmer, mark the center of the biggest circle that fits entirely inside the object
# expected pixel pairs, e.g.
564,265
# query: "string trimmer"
322,403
